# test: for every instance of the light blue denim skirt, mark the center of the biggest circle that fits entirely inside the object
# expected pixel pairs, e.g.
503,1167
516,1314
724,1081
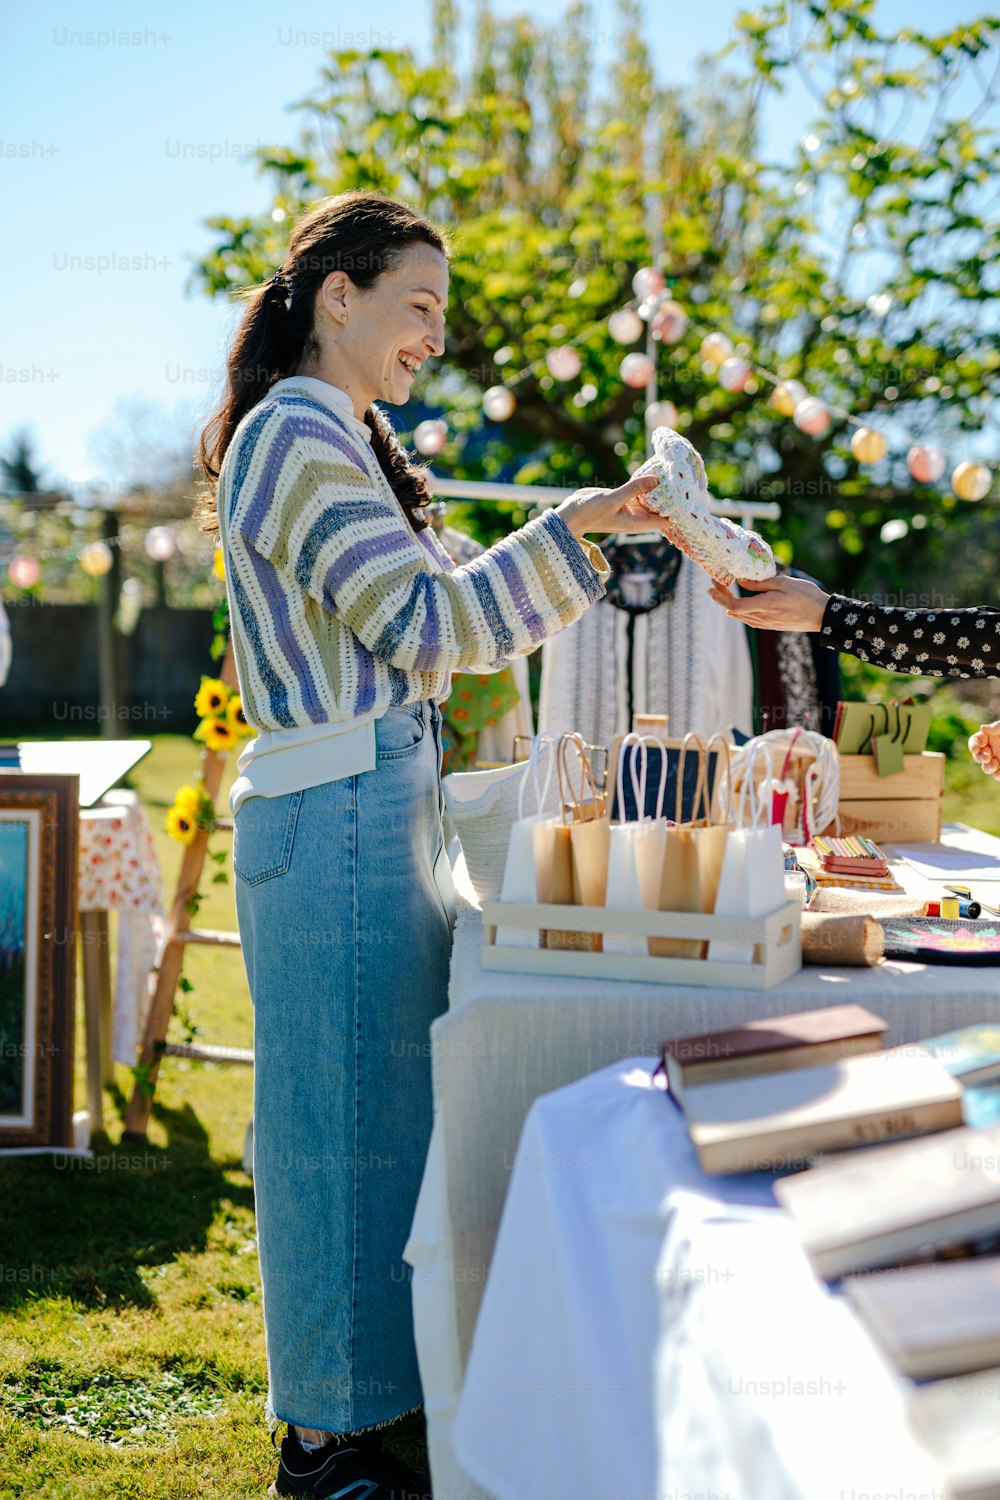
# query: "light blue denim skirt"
345,908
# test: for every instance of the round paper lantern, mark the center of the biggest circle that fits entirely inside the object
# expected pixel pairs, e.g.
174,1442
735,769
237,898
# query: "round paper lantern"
625,325
160,544
499,403
867,445
716,347
96,559
661,414
669,323
925,464
563,363
24,572
734,373
636,369
430,437
812,417
787,395
648,282
971,481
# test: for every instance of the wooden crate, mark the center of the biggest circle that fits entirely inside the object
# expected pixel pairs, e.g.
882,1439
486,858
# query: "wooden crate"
776,938
904,808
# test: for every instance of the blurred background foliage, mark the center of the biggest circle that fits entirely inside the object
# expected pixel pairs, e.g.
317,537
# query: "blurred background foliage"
863,264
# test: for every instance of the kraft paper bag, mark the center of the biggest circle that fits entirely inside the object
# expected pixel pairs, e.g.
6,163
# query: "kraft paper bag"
590,841
527,876
635,853
693,854
580,809
752,878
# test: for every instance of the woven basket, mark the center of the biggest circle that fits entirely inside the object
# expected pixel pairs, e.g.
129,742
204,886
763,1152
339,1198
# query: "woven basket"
482,807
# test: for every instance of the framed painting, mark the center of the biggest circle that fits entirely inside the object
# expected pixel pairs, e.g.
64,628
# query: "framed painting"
39,831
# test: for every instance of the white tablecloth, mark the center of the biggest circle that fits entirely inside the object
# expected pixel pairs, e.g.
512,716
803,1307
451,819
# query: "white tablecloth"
650,1331
509,1038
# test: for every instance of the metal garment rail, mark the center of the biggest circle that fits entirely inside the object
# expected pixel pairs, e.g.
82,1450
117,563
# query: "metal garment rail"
745,511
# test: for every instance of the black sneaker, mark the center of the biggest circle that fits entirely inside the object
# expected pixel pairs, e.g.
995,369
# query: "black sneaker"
354,1470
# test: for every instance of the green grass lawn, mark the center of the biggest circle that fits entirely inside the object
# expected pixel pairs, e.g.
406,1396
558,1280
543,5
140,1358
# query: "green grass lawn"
131,1338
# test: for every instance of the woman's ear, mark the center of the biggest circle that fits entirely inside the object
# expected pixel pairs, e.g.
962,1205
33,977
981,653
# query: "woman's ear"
333,295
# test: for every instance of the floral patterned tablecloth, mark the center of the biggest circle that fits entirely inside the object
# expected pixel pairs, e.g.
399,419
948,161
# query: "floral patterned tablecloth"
119,872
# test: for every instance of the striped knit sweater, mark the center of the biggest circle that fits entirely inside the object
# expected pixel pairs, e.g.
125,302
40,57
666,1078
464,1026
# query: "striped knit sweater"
339,610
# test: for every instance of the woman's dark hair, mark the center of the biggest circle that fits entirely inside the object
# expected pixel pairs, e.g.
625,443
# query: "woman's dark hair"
362,234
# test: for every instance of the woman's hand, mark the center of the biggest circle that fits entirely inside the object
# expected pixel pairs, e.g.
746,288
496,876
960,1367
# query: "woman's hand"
612,510
776,604
984,746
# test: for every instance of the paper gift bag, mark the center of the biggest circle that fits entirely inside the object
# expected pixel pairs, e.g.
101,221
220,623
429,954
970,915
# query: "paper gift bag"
635,853
527,876
580,809
752,878
693,853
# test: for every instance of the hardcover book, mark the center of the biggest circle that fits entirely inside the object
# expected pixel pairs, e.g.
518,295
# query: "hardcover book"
937,1319
897,1203
772,1045
778,1119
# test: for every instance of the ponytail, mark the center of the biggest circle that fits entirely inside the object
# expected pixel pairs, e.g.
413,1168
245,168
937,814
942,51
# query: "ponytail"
409,481
362,234
266,347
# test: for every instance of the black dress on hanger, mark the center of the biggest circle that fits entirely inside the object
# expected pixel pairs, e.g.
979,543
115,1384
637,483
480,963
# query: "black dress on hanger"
643,576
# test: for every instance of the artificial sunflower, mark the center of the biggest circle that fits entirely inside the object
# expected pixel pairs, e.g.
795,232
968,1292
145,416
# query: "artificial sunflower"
219,734
187,799
211,698
219,564
181,825
236,717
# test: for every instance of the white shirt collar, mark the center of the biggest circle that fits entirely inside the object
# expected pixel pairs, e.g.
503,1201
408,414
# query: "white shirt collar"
331,395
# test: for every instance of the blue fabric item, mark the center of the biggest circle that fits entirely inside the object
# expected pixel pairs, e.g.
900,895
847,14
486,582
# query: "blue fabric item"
345,908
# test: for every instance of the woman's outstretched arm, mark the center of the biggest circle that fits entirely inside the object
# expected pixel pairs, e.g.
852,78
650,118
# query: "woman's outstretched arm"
923,642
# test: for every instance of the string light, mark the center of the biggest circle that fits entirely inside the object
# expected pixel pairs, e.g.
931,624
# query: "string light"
669,321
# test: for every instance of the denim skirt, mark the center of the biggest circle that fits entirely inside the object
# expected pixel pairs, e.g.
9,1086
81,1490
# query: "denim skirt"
345,908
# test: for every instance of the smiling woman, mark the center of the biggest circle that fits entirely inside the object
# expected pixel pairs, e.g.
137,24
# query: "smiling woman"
348,620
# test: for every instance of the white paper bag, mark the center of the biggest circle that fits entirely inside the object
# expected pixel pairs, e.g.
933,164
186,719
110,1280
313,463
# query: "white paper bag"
752,882
635,855
529,852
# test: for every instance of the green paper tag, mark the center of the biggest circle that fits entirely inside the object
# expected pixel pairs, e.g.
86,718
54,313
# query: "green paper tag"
888,755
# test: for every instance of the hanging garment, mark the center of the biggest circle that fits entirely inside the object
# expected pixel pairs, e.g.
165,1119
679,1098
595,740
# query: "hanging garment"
684,657
797,681
495,742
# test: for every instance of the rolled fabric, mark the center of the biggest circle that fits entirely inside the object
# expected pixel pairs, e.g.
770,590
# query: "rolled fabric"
865,903
831,939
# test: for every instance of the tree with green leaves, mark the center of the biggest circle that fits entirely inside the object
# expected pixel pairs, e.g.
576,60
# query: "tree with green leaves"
863,264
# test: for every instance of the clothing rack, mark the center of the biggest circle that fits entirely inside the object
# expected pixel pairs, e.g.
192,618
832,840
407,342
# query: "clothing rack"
744,511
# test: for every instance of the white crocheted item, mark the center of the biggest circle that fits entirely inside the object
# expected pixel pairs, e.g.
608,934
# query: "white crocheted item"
722,548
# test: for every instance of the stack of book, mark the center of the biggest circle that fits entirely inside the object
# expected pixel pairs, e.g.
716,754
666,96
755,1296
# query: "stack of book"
911,1225
776,1093
851,856
855,862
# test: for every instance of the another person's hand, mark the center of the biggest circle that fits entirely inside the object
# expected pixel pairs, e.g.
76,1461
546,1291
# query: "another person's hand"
612,510
984,747
780,603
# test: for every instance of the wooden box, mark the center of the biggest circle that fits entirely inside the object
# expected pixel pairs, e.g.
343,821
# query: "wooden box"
776,938
904,808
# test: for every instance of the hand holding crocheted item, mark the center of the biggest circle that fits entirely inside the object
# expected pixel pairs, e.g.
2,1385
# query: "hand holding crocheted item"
722,548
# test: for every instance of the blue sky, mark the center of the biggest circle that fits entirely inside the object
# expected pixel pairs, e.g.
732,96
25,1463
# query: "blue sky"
118,147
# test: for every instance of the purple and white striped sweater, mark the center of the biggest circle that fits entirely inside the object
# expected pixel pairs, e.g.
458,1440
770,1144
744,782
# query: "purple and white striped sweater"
338,609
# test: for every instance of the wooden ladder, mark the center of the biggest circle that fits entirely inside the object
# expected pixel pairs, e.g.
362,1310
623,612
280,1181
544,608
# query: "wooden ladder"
178,935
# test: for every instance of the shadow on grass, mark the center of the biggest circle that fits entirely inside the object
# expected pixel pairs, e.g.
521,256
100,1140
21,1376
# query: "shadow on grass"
83,1228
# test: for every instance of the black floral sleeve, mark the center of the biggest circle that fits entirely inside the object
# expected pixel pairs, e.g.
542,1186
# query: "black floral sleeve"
924,642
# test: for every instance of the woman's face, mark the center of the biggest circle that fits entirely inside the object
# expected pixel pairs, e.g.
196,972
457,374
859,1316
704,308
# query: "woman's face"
378,338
